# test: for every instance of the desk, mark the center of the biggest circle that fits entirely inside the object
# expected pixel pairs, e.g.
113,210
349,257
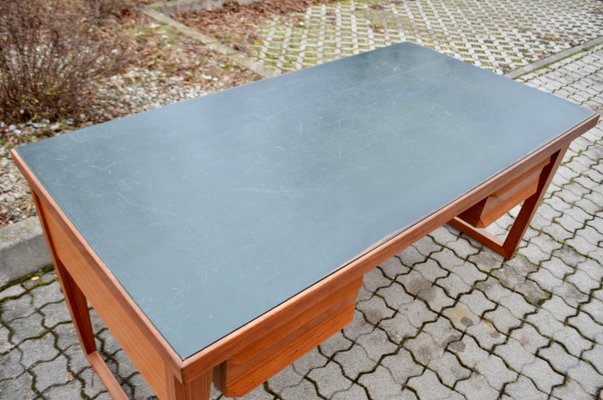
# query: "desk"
221,238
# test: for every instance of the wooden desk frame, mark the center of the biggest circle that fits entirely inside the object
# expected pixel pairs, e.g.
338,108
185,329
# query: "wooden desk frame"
261,348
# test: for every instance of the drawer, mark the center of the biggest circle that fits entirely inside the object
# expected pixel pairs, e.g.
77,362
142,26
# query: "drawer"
276,350
504,199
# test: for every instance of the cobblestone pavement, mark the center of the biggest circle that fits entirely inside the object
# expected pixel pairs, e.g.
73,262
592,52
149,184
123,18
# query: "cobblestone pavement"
500,35
445,319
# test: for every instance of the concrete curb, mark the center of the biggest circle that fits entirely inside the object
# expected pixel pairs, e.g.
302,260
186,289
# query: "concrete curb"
554,58
22,250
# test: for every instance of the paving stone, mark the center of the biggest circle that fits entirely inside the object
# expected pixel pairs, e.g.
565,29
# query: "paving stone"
380,384
334,344
330,379
429,386
529,338
376,344
523,388
585,324
71,390
374,310
401,366
414,283
463,248
26,328
10,365
43,295
587,377
502,319
407,321
454,285
430,270
448,369
476,387
5,344
595,357
486,334
543,376
39,280
66,336
424,348
514,354
355,361
285,379
570,294
592,269
571,390
11,291
393,267
55,313
18,388
50,373
468,351
556,355
77,359
375,279
20,307
38,350
359,326
410,257
308,362
583,282
558,308
257,394
92,384
395,296
495,371
547,280
436,298
477,302
305,390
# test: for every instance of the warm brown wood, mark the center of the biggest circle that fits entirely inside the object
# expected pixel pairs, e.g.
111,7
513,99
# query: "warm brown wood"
503,200
148,350
196,389
177,379
479,234
268,355
101,296
507,247
74,298
106,376
530,206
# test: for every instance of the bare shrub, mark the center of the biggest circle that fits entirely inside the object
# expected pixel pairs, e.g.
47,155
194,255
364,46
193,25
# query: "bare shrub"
100,9
50,54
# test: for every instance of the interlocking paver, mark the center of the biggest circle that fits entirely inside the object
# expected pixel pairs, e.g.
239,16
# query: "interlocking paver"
523,388
543,375
380,384
51,373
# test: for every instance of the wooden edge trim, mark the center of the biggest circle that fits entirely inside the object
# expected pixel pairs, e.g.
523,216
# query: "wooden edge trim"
218,351
481,235
172,359
106,376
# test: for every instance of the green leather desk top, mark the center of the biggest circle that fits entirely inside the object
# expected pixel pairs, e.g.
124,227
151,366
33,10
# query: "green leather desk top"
213,211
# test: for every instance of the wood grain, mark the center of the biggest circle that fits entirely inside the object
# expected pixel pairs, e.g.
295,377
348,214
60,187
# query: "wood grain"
278,348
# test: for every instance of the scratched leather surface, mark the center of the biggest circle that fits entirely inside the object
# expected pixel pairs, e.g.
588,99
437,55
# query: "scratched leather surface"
212,211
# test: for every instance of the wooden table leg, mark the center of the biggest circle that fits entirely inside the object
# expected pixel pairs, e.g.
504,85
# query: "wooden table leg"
507,247
78,308
197,389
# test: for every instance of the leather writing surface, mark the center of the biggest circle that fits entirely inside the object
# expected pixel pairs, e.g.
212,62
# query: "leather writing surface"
212,211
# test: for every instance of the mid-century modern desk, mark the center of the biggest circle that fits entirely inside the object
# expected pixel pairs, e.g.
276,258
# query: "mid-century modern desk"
222,238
